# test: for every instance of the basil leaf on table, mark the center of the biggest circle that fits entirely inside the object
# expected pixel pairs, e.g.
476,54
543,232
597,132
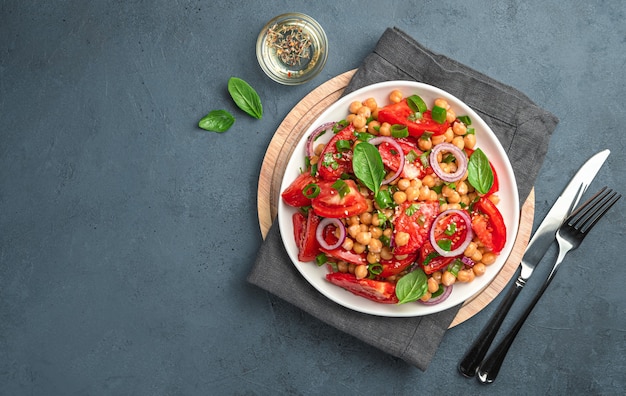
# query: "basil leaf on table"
367,165
479,173
217,121
412,286
245,97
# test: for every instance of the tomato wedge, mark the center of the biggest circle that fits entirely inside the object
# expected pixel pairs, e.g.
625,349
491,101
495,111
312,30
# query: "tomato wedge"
304,228
391,159
488,225
451,229
399,113
293,195
329,203
394,266
431,261
332,163
378,291
414,219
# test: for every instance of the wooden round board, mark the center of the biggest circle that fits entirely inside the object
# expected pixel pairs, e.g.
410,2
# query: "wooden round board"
290,132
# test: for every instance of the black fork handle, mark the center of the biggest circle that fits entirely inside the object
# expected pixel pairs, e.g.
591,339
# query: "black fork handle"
489,369
475,354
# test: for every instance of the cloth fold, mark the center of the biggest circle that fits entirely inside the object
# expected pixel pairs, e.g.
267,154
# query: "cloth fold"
524,130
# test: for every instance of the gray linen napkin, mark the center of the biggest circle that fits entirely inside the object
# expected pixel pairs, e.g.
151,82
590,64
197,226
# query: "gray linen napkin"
524,131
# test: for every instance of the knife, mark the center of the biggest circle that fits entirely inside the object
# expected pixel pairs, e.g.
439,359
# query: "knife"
537,247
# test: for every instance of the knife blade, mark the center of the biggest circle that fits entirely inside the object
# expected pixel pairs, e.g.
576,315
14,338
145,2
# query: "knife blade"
541,240
569,198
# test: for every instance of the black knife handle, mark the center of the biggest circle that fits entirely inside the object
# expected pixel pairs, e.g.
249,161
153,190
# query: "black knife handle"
489,369
475,354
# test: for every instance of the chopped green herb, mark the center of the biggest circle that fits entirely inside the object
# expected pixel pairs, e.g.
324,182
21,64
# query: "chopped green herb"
342,187
439,114
399,131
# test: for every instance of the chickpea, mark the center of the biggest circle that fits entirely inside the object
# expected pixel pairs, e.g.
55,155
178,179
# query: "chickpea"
461,187
354,229
360,271
314,159
350,118
488,258
347,244
494,198
375,246
433,196
358,248
447,278
469,140
459,128
477,256
375,113
403,184
441,102
470,249
373,258
436,276
438,139
353,220
427,296
479,269
395,96
364,111
364,237
454,206
424,144
351,268
424,193
373,127
342,266
387,232
366,218
448,135
412,193
399,197
375,220
359,121
402,238
450,115
428,181
355,106
386,253
433,285
454,197
459,141
465,275
377,232
385,129
371,103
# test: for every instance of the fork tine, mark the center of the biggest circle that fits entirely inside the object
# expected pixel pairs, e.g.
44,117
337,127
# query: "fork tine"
588,214
606,205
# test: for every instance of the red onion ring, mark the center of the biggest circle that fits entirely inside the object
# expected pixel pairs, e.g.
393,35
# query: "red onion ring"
461,162
447,290
310,143
468,236
384,139
319,233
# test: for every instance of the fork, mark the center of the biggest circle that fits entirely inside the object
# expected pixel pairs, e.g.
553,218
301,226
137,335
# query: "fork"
569,236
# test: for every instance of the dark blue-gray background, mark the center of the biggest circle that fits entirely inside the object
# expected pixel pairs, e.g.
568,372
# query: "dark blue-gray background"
126,233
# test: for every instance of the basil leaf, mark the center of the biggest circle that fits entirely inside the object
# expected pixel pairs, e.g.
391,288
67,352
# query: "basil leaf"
245,97
479,173
368,165
217,121
412,286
